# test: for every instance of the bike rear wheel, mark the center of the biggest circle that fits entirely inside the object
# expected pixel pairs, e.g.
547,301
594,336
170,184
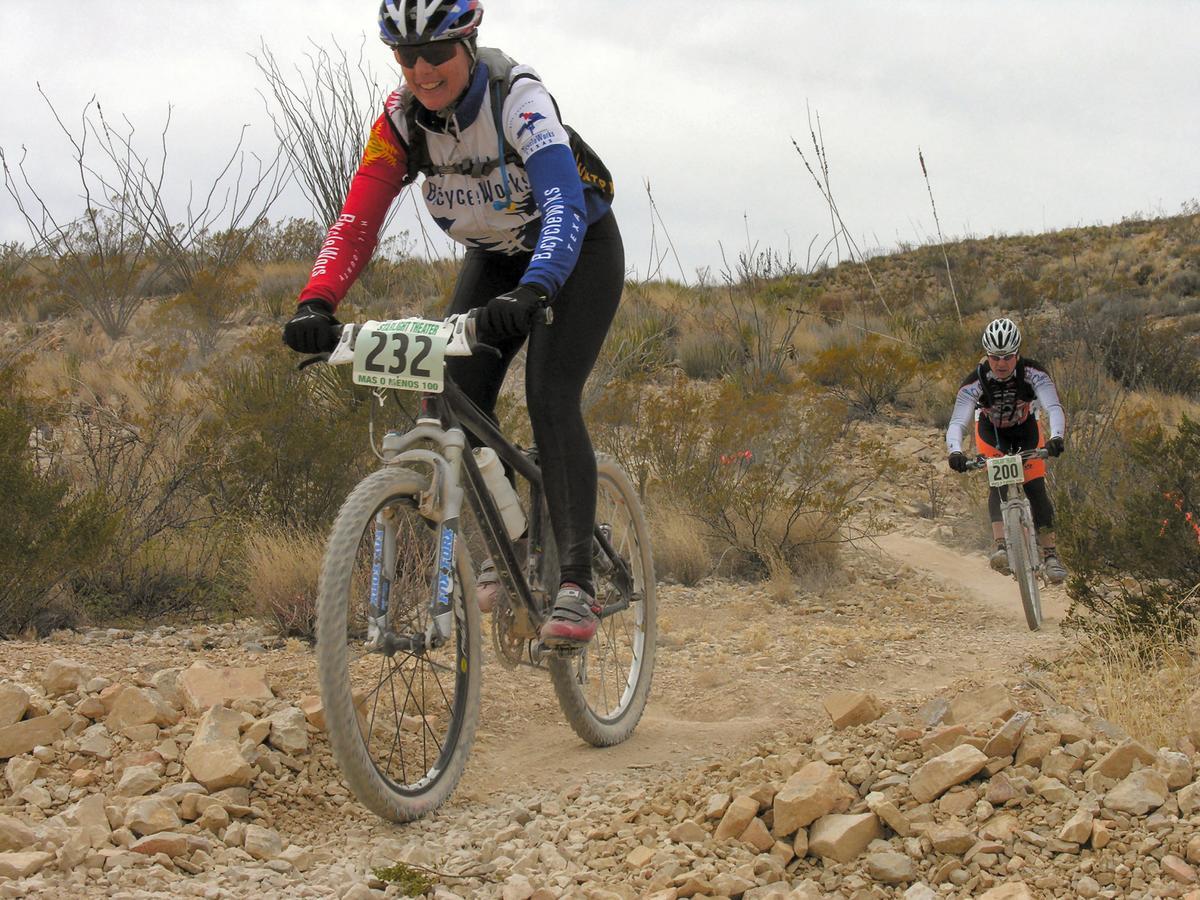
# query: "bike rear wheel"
603,690
1018,531
401,722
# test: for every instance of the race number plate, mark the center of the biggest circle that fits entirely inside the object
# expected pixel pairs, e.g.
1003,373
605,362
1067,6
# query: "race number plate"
405,355
1005,470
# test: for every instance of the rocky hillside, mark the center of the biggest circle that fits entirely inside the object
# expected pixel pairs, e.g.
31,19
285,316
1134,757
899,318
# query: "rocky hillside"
128,779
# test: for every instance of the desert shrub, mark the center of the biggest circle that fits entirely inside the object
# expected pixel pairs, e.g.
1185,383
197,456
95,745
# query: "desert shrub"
760,475
15,283
278,287
763,340
866,376
706,355
641,341
288,240
281,446
207,305
1130,530
280,570
51,530
132,439
1134,351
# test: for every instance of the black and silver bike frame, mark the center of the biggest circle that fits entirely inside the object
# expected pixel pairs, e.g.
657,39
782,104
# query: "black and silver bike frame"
441,422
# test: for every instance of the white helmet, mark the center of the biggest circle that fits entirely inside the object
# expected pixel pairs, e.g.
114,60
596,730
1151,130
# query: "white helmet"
1001,337
406,22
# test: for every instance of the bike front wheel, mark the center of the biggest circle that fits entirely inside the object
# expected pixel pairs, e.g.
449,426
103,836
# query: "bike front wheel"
603,690
401,705
1018,537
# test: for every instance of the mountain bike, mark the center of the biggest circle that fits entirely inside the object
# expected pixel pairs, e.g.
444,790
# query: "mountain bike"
1020,537
399,645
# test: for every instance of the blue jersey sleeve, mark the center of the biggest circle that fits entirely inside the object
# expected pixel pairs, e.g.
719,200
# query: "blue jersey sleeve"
554,178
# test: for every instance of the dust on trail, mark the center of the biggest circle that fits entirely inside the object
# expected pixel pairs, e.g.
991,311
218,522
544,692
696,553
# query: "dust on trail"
716,699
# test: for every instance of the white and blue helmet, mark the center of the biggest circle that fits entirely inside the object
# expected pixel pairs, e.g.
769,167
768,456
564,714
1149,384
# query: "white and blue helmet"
1001,337
405,22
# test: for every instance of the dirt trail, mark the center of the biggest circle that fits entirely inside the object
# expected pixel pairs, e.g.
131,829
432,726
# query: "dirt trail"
966,623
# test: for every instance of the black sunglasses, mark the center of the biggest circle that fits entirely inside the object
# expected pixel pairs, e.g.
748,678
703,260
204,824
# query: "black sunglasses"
435,53
1005,358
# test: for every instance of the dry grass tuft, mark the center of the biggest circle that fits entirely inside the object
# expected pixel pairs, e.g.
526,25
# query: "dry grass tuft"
680,552
1138,682
281,570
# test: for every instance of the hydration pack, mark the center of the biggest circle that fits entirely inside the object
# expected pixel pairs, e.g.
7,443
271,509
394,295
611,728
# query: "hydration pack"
592,171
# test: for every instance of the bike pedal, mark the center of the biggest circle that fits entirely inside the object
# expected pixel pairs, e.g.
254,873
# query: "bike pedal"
540,650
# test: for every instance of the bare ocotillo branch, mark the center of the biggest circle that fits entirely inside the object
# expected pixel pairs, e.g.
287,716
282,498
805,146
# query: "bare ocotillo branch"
835,215
941,241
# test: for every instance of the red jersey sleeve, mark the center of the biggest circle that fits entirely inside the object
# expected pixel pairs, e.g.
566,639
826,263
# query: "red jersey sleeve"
352,238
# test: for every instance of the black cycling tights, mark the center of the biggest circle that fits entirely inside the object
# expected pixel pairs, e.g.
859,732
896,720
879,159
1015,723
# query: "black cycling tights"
1025,436
560,357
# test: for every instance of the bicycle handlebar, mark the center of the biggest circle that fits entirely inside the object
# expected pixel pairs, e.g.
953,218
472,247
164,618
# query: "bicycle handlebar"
463,342
980,462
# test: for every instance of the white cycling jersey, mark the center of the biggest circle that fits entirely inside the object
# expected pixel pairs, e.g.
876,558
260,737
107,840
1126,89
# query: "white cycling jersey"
463,205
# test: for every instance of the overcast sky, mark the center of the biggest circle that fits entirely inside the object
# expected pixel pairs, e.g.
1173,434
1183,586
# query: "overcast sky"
1032,115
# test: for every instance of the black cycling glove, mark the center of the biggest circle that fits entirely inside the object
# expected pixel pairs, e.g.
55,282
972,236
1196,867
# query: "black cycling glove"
958,461
1055,446
310,330
510,315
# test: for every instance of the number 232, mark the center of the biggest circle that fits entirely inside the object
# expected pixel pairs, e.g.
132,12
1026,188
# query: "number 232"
400,348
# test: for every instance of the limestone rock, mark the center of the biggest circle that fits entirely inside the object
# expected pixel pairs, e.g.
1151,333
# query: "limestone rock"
1119,761
20,772
1012,890
1177,768
1179,870
1066,723
313,711
891,868
166,682
810,793
1035,747
1005,741
91,817
218,724
14,701
23,865
1078,829
983,705
737,817
943,772
135,707
15,835
889,814
1189,798
288,732
62,676
951,837
262,843
169,842
95,741
689,832
202,687
847,708
218,765
1144,790
757,836
842,837
137,781
151,815
24,736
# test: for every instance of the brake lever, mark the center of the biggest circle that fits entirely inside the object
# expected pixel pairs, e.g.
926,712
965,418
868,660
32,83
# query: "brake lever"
312,361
